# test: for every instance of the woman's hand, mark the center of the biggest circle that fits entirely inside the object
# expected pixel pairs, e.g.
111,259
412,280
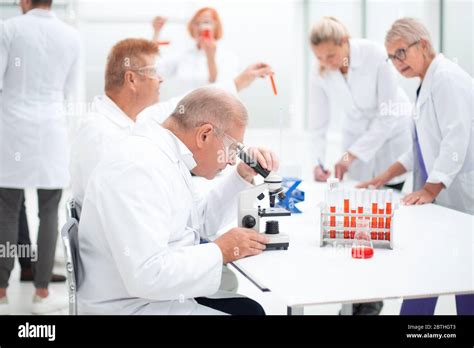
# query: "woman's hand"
158,23
426,195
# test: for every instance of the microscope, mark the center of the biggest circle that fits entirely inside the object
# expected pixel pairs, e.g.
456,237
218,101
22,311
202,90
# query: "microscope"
249,215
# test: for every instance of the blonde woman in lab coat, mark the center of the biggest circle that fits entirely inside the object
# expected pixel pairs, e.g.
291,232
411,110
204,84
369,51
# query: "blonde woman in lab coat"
355,81
442,154
203,63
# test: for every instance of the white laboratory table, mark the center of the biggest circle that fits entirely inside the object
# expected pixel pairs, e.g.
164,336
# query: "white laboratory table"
432,255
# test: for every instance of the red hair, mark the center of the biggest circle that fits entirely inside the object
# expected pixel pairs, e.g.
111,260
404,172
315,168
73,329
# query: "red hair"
215,17
126,55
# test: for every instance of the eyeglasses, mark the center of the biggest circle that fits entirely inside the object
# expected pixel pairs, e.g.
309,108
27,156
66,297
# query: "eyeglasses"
232,147
401,53
151,68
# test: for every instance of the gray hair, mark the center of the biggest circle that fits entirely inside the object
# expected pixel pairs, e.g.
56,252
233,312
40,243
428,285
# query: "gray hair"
209,105
409,30
328,29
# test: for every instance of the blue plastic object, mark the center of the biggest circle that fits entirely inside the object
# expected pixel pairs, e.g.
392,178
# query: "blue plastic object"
293,195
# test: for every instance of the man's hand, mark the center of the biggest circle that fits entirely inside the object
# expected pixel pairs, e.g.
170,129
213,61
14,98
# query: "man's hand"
246,77
320,175
240,242
426,195
266,158
342,166
158,23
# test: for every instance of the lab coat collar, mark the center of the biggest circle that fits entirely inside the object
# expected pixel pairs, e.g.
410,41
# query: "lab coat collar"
426,84
184,153
355,54
41,13
172,146
103,105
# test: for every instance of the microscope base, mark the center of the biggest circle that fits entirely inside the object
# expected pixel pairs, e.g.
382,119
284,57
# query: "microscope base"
277,241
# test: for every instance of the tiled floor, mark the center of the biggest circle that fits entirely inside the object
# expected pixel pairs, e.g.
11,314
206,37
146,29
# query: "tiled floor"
20,294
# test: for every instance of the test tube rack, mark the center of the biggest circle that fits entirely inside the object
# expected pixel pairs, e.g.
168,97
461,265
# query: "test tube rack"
342,219
341,234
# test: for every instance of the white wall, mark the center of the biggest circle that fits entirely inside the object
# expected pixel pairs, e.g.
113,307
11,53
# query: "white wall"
276,31
259,30
458,34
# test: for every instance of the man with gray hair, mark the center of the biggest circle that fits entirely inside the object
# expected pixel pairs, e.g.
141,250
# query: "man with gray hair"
142,222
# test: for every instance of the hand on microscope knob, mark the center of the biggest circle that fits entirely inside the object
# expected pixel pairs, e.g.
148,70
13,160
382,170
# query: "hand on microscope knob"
267,159
240,242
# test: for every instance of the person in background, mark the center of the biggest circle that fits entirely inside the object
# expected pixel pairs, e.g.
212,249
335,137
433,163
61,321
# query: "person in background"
39,59
356,81
26,265
206,62
443,146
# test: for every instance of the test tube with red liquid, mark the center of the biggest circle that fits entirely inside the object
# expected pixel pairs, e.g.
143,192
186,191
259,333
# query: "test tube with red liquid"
374,202
381,211
333,185
272,81
388,211
353,207
346,211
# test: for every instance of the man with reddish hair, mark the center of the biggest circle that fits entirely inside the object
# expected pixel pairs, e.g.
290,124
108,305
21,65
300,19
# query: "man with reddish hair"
132,88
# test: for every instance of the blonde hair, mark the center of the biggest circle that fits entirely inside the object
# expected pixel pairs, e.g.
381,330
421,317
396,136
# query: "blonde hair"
409,30
328,29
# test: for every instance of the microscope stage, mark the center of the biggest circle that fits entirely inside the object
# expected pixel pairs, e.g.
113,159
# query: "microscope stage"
277,241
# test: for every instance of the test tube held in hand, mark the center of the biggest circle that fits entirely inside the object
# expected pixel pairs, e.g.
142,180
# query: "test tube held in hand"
272,80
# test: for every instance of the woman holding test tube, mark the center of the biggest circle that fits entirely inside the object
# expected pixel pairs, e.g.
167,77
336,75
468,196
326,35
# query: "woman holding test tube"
356,81
203,63
443,145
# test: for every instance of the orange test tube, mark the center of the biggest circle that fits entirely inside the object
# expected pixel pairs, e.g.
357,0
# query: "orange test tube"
273,84
373,234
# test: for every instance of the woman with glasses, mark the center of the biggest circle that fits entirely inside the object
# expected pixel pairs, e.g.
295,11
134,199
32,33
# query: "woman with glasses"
356,82
203,63
442,154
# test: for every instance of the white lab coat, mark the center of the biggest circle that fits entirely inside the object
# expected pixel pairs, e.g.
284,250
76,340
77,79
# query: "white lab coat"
444,122
189,68
39,57
374,129
103,127
141,226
